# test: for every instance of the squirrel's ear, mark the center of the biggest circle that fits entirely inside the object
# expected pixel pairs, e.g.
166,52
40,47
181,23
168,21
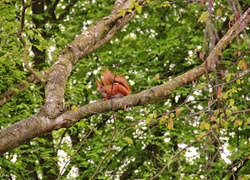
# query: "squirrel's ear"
101,82
97,83
107,71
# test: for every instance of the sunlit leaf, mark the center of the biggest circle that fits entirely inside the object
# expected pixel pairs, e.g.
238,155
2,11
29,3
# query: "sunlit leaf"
242,65
170,124
203,17
231,17
138,9
218,12
199,136
163,119
74,108
228,77
231,102
165,4
179,110
204,125
129,140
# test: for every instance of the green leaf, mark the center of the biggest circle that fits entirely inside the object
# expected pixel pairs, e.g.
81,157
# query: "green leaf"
244,177
228,112
123,12
201,86
202,114
231,102
172,115
231,17
170,161
170,124
215,126
238,123
203,17
74,108
228,77
205,125
178,111
138,9
242,65
150,117
163,119
200,136
218,12
129,140
165,4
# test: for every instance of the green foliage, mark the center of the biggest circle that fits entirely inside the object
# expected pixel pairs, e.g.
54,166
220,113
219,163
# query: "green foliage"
199,132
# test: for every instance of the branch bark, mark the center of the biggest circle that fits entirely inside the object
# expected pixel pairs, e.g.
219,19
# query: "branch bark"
52,115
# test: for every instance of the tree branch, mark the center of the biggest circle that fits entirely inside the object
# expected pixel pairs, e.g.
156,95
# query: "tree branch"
80,47
9,94
56,117
228,38
25,53
178,153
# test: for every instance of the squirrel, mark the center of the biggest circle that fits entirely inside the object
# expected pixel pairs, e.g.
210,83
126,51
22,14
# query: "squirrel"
112,86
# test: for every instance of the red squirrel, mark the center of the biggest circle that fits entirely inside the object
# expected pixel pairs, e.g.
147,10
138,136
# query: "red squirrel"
112,86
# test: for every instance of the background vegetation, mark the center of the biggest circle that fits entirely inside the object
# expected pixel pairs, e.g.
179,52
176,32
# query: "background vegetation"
199,132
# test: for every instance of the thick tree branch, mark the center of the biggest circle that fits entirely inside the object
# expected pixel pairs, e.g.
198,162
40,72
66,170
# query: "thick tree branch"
80,47
41,123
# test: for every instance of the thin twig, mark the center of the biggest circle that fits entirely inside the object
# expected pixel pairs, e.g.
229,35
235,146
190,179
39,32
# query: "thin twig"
112,137
177,154
107,154
25,53
218,150
72,157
